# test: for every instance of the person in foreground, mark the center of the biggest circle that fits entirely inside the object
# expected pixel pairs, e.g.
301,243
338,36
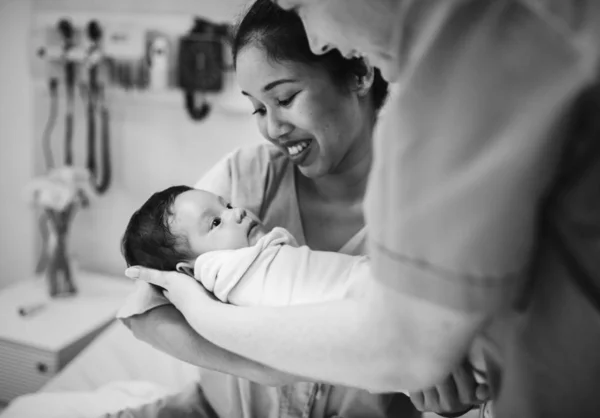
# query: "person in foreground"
479,208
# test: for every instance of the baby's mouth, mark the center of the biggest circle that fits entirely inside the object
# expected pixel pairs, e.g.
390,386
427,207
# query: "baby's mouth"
251,227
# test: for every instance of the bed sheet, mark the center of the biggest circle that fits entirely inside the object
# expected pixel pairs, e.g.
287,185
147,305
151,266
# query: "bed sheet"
114,372
116,355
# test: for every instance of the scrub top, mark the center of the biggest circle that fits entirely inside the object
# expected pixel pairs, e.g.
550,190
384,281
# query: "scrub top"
262,180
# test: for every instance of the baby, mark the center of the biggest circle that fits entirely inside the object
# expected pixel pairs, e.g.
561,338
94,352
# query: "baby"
231,253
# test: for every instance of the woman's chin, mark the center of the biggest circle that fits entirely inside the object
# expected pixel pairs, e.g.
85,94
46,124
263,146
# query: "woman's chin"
313,171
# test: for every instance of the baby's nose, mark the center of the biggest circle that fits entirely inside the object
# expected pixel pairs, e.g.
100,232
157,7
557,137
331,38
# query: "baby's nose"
239,214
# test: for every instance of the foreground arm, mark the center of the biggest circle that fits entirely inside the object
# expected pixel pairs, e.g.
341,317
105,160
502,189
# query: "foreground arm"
461,168
166,330
371,342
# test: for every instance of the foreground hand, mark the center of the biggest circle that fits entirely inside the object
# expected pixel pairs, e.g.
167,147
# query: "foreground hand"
182,290
459,392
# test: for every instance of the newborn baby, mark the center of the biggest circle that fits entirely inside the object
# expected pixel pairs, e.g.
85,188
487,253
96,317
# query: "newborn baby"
230,252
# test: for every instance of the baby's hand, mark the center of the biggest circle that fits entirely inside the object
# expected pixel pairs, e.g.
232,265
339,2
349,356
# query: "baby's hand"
182,290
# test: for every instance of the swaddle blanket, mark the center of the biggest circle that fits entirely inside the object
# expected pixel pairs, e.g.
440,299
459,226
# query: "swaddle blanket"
273,272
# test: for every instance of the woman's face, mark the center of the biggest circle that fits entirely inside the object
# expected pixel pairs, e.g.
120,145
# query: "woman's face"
298,108
354,27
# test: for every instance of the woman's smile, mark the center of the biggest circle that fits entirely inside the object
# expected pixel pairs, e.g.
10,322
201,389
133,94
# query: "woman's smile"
298,151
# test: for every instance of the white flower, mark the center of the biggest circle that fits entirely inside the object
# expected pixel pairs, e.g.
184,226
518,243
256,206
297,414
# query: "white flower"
60,188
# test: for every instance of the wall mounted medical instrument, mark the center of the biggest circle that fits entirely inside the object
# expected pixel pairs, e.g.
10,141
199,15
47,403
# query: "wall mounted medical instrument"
97,111
201,65
143,60
80,69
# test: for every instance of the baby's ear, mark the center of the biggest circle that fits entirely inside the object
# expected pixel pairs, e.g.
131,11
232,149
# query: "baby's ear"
185,268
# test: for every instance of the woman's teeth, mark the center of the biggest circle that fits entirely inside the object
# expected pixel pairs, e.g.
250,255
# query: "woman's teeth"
297,149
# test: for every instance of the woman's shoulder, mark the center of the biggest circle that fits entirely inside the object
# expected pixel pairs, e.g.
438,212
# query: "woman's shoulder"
245,174
248,162
257,159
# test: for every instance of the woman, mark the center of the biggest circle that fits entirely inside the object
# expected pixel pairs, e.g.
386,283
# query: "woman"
463,167
328,105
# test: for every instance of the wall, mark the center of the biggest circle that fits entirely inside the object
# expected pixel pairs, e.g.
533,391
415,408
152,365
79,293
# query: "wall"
154,143
16,148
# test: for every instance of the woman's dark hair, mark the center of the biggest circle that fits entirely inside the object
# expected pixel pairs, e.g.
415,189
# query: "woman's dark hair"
281,34
148,240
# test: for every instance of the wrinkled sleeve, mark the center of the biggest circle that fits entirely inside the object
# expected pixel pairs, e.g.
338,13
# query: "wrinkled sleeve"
469,146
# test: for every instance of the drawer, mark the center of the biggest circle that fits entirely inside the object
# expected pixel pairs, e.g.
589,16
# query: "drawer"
24,369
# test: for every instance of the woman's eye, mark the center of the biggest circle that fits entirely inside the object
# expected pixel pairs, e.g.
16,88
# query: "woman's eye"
228,206
260,111
288,101
216,222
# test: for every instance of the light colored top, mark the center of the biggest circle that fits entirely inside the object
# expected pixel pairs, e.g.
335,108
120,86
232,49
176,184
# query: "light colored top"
59,322
470,143
464,156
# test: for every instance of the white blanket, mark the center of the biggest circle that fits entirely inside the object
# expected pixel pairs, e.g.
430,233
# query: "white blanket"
273,272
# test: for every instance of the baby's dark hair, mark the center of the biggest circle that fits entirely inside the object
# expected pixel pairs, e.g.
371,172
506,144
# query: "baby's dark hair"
282,36
148,240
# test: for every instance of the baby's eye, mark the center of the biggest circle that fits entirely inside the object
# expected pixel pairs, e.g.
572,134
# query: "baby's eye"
216,222
228,206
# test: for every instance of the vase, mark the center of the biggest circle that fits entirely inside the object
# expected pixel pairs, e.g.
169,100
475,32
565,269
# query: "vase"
59,270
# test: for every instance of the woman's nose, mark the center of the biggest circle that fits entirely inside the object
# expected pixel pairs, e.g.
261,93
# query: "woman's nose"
276,127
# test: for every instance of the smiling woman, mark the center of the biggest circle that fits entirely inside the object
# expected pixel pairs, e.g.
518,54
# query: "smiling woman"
315,108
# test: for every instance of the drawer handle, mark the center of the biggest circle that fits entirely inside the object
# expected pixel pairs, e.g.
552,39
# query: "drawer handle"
42,367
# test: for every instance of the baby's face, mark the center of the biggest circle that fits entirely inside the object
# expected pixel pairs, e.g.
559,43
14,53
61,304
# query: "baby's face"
210,223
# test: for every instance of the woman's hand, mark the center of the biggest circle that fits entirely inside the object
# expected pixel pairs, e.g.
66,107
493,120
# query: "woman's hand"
182,290
455,396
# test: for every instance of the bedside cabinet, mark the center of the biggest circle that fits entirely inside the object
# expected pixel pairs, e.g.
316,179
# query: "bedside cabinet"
37,345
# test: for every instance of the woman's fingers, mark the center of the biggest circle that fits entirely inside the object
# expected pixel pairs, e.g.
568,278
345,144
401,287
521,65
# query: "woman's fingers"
432,400
449,400
418,400
426,400
156,277
465,384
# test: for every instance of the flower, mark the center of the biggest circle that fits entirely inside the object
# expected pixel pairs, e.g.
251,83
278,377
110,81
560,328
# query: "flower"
61,188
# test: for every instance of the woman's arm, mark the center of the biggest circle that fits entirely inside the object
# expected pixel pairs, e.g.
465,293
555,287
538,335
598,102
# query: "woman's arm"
381,341
165,329
386,342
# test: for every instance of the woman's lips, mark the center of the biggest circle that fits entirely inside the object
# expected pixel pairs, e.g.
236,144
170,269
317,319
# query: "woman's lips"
298,150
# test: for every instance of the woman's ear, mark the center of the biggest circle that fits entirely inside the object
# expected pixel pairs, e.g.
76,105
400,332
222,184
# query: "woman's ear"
365,82
185,268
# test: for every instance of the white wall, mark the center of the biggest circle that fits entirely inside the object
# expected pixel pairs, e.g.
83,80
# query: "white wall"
154,143
16,148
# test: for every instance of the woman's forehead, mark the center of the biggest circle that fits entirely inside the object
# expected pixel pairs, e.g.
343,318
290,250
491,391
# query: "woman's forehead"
255,69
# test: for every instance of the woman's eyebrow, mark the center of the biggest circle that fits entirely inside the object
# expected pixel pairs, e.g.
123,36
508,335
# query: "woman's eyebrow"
275,83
